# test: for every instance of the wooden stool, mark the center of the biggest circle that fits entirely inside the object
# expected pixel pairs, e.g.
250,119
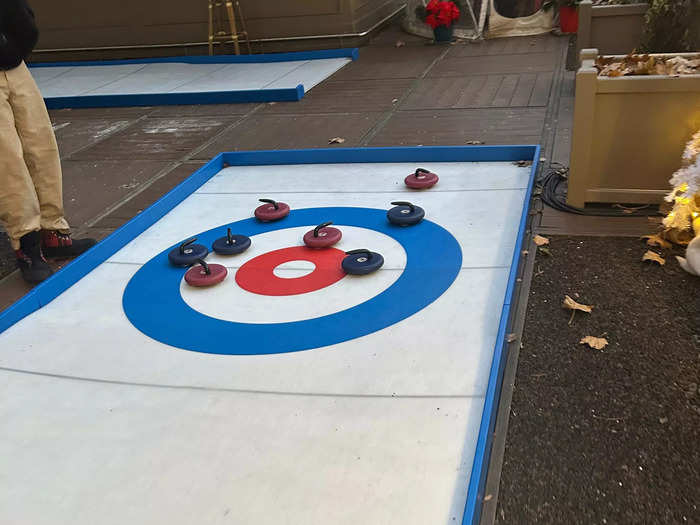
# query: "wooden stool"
218,32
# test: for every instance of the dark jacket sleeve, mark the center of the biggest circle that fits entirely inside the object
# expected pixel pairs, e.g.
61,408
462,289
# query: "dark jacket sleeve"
19,30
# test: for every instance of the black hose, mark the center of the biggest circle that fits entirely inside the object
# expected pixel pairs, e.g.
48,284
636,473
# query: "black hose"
553,186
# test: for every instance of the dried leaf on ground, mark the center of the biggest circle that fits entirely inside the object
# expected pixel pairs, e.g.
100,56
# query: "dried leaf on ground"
336,140
656,240
594,342
544,250
540,241
400,43
570,304
651,256
474,142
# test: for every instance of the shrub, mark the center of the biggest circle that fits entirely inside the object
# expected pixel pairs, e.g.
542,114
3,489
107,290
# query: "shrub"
669,26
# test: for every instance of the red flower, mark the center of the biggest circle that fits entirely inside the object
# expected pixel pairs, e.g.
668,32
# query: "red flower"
441,13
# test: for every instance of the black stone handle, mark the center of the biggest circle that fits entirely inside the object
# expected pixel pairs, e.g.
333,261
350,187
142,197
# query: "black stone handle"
205,266
361,250
186,244
405,203
320,226
270,201
421,170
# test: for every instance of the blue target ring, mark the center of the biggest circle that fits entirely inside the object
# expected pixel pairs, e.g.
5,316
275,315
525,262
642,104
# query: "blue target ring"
153,304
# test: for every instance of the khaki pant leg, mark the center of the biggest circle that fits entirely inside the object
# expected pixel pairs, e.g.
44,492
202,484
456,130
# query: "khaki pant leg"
39,146
19,204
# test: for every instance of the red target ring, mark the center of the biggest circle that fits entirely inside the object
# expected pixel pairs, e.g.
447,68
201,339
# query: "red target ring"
257,275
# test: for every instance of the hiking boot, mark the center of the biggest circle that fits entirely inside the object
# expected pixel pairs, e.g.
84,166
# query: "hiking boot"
57,245
30,260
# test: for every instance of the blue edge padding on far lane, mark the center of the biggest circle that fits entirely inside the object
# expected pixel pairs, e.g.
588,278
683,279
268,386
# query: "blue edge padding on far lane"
205,97
73,272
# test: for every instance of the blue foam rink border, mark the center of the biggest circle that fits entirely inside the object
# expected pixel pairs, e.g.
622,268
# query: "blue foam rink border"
81,266
205,97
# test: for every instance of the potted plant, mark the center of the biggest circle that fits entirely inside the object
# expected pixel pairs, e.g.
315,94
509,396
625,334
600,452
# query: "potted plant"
440,15
568,14
671,26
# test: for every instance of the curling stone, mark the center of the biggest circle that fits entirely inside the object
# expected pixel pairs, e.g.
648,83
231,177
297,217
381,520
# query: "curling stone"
362,262
187,253
405,214
205,274
322,236
231,244
421,179
271,210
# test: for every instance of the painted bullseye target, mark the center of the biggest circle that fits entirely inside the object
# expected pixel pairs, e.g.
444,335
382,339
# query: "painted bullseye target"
430,261
257,275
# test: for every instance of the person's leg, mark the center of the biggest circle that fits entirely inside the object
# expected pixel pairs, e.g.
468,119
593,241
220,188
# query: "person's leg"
19,204
39,146
43,162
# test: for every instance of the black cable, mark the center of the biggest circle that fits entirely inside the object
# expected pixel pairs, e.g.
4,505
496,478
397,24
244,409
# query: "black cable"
553,194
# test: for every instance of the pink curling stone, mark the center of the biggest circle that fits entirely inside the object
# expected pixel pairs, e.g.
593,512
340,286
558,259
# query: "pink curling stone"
205,274
322,236
421,179
271,210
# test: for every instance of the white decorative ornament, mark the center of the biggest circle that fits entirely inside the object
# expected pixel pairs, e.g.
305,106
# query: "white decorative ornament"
691,262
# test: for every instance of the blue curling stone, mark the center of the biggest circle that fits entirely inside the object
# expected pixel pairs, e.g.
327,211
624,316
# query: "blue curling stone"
187,253
231,244
405,214
362,262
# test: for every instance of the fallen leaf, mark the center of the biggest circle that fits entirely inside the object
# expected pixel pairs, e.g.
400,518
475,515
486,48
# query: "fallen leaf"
544,250
523,163
400,43
474,142
575,307
540,241
336,140
651,256
570,304
488,497
646,65
657,240
682,66
594,342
